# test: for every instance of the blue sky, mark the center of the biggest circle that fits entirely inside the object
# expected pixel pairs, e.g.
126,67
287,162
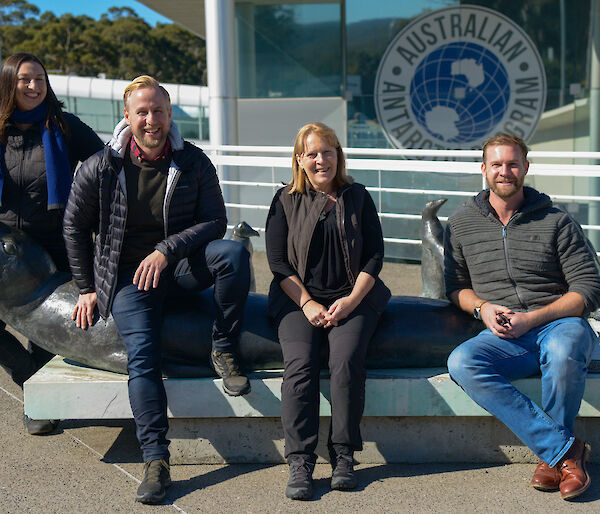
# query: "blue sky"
355,9
97,8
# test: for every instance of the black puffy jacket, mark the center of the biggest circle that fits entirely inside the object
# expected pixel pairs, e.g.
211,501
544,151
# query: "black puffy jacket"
25,192
194,213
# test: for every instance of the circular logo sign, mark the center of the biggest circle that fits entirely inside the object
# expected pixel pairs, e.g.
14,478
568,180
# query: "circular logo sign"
456,76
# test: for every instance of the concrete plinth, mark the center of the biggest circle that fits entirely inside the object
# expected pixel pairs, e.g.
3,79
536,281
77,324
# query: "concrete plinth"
411,415
386,439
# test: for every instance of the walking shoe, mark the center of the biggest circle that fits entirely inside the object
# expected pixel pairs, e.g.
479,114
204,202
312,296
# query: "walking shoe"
39,426
157,478
343,476
546,478
300,484
225,365
574,477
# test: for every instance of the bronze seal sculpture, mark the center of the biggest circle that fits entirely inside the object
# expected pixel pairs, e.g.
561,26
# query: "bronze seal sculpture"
38,301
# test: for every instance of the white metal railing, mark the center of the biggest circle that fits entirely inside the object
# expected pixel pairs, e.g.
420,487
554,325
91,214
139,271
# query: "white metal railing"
402,161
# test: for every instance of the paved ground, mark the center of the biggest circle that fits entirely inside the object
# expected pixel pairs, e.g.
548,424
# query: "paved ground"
89,468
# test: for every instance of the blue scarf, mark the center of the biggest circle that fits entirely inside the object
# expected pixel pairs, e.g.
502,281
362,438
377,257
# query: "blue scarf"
58,166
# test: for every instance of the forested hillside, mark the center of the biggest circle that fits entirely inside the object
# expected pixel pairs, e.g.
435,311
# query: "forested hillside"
120,44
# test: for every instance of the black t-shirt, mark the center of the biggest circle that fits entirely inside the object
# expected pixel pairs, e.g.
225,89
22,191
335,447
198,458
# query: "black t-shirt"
326,275
146,184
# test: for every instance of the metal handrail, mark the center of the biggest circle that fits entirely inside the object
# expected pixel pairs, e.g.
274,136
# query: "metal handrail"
454,162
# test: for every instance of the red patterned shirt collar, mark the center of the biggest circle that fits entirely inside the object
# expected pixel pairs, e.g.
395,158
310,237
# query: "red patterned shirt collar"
135,149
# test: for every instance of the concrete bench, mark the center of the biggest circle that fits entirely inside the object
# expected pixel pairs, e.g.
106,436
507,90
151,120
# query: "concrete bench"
411,415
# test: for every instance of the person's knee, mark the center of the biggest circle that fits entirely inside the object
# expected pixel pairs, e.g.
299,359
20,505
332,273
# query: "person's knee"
300,382
569,343
139,365
231,254
346,369
137,371
460,362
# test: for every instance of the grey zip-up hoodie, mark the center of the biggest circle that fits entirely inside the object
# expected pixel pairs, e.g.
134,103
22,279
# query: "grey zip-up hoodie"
540,254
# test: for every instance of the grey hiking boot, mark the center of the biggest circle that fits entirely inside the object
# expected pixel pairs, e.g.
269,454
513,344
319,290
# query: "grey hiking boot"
226,366
343,476
157,478
300,484
39,426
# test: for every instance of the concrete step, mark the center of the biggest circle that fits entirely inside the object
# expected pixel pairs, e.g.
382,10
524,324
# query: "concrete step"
411,415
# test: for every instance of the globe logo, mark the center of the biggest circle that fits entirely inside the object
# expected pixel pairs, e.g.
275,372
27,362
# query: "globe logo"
459,92
453,77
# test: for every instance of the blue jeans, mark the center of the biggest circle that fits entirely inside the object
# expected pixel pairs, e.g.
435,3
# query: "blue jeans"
138,317
561,350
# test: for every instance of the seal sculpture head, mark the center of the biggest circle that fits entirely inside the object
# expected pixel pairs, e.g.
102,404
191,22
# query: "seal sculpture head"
242,233
24,267
432,259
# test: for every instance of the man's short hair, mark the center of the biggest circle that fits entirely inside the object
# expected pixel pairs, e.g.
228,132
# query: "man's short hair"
144,82
506,139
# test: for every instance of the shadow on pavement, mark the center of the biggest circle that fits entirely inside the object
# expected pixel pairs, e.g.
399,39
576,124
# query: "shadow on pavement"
181,488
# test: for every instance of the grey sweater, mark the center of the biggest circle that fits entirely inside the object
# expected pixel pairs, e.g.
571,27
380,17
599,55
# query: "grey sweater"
539,255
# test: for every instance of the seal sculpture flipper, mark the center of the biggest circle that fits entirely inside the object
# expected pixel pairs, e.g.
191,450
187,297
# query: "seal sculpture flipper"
432,256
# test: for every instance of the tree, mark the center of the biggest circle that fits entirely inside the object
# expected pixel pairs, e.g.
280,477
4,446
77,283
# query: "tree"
15,12
180,56
12,14
121,44
114,13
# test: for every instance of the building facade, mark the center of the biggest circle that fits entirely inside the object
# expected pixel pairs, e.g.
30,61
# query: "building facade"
295,61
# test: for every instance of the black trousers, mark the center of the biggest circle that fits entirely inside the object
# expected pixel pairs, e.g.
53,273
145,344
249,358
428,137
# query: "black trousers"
17,360
138,317
20,363
301,344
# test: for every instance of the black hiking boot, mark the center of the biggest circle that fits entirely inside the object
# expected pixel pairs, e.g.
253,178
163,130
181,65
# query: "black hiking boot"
343,476
300,484
226,366
157,478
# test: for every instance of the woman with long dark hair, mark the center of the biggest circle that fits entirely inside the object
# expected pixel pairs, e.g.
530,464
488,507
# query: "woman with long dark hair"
40,146
325,248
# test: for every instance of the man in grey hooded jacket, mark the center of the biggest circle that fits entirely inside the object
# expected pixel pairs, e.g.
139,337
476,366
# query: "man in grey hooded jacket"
524,268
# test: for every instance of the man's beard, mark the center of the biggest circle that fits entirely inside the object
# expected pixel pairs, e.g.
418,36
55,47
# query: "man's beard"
505,191
146,140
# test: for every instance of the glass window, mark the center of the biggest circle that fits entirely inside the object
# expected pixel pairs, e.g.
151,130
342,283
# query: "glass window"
289,50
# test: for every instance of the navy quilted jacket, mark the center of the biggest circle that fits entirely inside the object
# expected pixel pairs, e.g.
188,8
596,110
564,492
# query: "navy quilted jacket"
94,223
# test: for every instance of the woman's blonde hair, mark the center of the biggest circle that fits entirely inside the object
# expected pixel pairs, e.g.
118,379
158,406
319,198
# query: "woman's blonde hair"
299,178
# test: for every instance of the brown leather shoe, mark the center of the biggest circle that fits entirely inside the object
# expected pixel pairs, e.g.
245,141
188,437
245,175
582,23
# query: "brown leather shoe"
574,477
546,478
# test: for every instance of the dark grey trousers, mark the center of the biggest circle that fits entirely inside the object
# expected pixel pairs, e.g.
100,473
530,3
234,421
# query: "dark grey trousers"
301,346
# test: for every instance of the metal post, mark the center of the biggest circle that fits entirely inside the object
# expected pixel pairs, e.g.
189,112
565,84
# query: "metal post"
563,51
222,81
221,68
594,209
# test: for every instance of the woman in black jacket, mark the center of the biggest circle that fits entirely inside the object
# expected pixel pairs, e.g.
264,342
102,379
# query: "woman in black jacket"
325,249
40,146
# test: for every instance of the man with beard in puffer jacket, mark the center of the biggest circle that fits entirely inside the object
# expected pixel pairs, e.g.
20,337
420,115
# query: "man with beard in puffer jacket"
155,208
